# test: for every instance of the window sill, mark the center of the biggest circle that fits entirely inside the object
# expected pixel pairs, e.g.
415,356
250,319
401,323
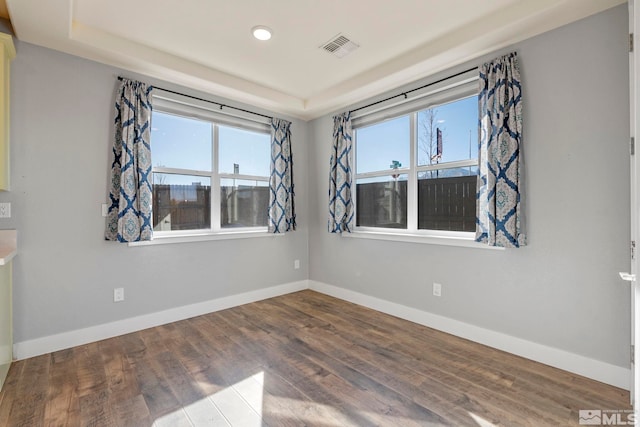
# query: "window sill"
420,238
204,237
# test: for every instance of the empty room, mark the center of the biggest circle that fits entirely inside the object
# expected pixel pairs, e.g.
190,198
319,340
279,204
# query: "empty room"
319,213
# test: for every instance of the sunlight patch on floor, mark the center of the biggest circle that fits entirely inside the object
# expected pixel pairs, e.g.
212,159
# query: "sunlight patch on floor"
237,405
481,421
242,404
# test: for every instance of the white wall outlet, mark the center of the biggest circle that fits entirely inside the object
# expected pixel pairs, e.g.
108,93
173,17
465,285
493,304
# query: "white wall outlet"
437,289
5,210
118,294
296,264
105,209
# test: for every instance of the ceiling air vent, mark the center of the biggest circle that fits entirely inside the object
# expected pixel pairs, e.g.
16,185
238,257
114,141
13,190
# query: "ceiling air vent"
340,46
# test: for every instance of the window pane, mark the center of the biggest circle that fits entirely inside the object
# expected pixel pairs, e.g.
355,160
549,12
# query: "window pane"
181,202
243,203
379,146
180,142
244,152
448,133
382,202
447,199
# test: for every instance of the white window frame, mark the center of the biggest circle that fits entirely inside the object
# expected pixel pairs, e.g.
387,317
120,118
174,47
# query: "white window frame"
184,106
450,90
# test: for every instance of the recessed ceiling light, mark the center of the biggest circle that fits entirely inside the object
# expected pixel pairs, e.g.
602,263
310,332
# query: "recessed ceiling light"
261,32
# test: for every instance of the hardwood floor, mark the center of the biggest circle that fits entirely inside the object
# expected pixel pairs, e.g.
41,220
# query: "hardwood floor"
295,360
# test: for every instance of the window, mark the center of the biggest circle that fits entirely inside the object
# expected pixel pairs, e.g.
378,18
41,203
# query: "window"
210,171
417,165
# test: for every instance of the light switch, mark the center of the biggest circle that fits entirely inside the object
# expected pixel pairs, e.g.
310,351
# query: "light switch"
5,210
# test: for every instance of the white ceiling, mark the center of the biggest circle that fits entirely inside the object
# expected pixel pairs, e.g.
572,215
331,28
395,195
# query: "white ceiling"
207,44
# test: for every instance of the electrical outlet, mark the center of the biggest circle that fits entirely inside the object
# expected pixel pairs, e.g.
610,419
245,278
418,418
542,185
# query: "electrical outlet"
296,264
437,289
5,210
118,294
105,209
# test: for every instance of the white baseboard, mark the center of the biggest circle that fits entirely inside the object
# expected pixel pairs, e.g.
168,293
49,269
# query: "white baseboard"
571,362
48,344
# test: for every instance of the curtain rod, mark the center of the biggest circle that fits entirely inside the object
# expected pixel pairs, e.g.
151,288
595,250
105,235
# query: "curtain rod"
209,101
412,90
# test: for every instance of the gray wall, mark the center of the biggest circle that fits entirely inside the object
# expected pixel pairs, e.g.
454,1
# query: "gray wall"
64,274
562,290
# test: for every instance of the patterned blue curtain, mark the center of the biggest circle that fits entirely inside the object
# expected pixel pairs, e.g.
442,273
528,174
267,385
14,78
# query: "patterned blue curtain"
129,216
499,204
282,216
340,176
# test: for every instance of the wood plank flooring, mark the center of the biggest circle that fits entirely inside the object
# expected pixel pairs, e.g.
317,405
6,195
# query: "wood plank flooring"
303,359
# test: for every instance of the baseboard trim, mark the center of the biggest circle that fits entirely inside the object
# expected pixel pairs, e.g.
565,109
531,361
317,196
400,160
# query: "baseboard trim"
571,362
51,343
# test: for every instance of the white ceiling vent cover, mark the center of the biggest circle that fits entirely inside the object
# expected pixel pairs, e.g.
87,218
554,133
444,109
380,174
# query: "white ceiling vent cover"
340,46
